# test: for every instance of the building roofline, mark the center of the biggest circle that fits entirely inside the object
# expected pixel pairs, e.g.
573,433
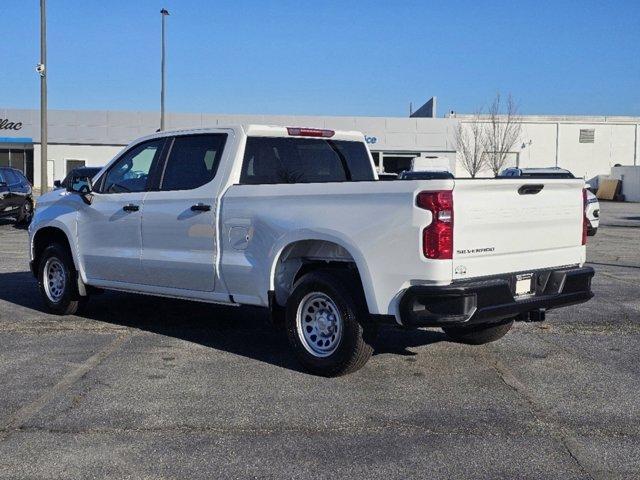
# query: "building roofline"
558,118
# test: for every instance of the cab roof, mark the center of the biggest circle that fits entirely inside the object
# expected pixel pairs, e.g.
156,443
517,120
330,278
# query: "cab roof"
255,130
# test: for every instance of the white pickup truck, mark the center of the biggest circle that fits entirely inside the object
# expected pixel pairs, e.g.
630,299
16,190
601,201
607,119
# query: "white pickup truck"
295,219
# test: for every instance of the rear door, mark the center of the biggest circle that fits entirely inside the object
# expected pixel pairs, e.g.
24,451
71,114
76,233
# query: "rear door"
516,225
179,244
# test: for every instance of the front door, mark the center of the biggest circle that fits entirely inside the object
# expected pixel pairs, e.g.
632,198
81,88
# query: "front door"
109,230
179,248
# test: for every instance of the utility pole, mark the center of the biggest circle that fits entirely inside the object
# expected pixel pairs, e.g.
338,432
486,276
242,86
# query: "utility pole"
41,69
164,14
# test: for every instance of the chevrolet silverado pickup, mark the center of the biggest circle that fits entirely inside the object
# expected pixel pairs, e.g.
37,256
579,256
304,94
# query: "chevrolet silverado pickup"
296,220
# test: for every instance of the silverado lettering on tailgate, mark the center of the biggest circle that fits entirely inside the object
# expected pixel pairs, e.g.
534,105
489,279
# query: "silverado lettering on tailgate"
468,251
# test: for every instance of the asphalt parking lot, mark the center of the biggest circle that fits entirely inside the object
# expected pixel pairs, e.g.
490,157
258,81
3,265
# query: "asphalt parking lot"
139,387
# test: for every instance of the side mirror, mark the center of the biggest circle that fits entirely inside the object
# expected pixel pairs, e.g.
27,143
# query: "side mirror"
57,183
83,187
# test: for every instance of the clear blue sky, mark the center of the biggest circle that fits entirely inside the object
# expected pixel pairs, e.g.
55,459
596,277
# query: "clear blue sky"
326,57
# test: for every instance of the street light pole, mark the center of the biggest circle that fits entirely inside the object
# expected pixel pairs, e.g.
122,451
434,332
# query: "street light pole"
41,69
164,14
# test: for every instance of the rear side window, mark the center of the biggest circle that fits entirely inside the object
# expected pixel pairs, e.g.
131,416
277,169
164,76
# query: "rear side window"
193,161
269,160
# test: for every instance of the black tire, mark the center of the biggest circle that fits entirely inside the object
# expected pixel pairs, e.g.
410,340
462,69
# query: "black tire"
479,334
69,301
25,214
353,346
591,231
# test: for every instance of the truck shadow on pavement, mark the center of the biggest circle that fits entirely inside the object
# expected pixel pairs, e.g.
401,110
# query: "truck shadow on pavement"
239,330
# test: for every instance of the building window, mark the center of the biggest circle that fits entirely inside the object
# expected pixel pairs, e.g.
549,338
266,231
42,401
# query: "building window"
587,135
73,164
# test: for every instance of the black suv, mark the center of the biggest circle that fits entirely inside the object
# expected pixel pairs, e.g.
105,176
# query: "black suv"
77,177
16,197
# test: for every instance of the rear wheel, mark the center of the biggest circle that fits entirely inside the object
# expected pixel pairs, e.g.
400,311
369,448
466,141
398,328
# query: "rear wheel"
479,334
327,323
57,279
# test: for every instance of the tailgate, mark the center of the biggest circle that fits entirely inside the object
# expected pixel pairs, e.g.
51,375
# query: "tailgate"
516,225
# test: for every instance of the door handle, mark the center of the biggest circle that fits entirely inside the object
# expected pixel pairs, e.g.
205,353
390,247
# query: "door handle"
200,207
530,189
131,208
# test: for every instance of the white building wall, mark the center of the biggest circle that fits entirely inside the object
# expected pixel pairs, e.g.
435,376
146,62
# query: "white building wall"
93,155
536,146
549,141
630,177
544,141
613,144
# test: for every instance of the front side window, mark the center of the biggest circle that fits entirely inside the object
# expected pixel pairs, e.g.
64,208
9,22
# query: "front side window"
193,161
270,160
131,172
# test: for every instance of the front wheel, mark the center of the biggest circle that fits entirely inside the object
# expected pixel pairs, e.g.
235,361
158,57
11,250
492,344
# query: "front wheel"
57,279
479,334
25,214
327,323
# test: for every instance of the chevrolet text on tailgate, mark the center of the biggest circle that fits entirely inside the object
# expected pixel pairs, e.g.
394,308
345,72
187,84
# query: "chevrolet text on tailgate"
295,219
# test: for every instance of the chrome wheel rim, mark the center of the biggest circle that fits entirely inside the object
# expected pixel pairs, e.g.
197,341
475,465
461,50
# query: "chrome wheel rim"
319,324
54,279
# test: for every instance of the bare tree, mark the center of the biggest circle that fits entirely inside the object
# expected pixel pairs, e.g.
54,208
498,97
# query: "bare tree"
502,132
470,143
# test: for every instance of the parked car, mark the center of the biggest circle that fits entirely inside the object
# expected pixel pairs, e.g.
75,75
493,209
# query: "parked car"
16,196
387,176
591,204
77,176
296,220
425,175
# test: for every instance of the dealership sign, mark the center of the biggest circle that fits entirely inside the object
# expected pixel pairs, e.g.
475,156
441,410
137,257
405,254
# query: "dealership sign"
370,140
6,124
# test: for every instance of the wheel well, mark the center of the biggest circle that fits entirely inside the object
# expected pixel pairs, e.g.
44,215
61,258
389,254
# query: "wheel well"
305,256
45,237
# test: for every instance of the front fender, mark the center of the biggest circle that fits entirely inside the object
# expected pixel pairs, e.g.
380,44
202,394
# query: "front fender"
58,210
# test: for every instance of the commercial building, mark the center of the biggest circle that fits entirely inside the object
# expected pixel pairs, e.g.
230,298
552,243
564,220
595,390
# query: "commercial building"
588,146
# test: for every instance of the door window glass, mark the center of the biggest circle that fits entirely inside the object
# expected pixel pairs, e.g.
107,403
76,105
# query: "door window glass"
193,161
131,172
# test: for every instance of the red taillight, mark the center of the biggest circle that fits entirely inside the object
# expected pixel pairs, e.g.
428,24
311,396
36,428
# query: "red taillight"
585,220
437,238
310,132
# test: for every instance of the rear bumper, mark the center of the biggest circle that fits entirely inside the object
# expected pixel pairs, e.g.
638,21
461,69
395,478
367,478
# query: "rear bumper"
492,299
